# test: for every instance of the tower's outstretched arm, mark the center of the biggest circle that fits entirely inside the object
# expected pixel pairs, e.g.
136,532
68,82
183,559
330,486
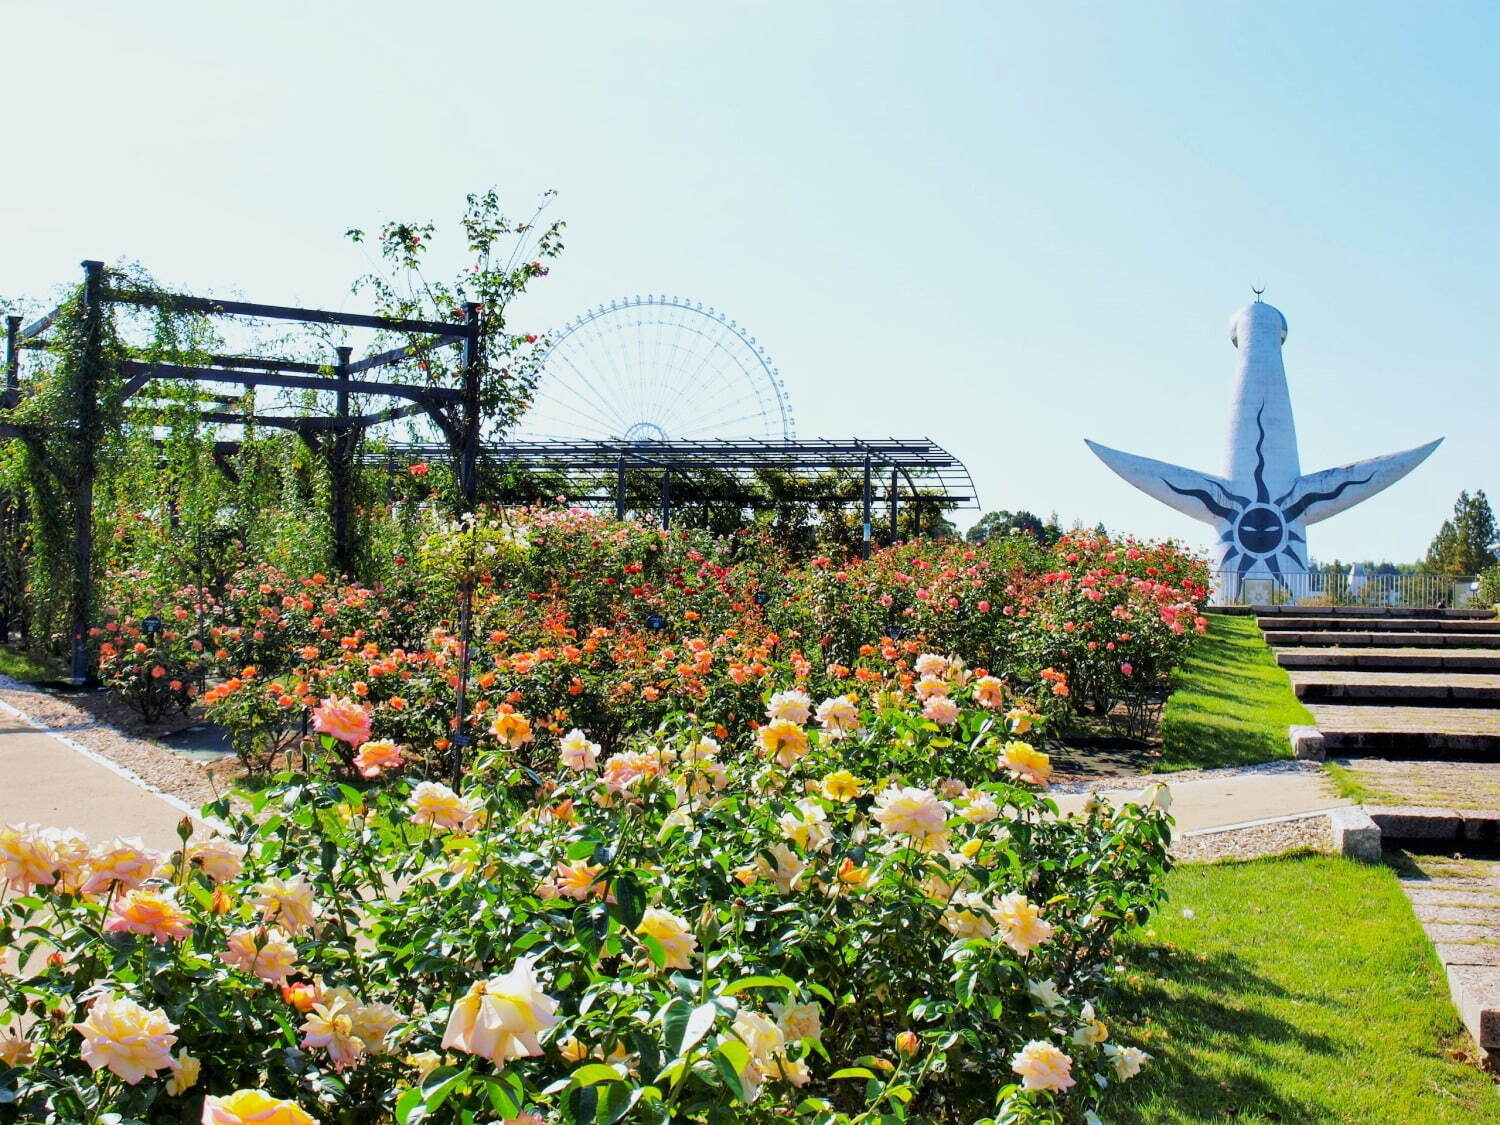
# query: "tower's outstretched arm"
1316,496
1200,495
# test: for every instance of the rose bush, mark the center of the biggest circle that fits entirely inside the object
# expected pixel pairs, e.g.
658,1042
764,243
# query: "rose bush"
869,910
581,621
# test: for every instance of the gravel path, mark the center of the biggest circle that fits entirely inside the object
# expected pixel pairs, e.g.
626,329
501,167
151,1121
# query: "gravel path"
1258,841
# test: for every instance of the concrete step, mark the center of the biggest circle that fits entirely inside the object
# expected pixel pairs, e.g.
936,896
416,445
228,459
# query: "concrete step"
1376,625
1278,638
1460,689
1392,659
1358,730
1369,611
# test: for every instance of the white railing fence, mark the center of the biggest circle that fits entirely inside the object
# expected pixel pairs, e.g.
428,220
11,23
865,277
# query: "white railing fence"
1343,587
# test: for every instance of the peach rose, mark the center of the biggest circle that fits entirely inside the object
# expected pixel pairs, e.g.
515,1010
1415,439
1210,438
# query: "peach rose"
374,758
127,1039
672,934
512,729
127,863
344,719
152,912
1043,1067
267,953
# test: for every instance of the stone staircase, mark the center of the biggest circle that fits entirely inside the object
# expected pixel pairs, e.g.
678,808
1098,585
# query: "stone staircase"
1395,683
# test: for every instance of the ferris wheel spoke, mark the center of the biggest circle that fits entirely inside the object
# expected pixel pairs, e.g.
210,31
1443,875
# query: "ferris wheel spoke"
742,378
607,401
667,359
602,400
734,411
656,368
620,366
694,379
568,413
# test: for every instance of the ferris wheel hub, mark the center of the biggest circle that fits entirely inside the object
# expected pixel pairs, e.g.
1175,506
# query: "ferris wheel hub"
646,431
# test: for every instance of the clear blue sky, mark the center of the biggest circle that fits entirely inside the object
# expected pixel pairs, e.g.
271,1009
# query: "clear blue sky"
1004,226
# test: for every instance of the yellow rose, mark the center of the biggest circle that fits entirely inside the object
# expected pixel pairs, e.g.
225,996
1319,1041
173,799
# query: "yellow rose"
184,1074
1026,763
253,1107
1021,924
783,741
842,786
1043,1067
672,934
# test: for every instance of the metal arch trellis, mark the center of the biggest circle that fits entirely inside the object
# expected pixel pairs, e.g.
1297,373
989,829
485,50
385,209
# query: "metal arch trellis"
455,410
594,471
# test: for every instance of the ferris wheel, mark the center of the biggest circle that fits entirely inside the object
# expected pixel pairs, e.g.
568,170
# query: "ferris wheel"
656,368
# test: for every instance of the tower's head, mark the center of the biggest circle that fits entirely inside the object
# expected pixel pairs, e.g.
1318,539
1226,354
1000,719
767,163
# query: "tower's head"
1258,322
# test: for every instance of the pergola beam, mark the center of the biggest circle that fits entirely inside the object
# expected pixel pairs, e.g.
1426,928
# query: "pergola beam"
215,307
139,374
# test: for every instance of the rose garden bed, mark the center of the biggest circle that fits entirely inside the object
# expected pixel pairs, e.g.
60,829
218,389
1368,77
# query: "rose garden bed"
768,857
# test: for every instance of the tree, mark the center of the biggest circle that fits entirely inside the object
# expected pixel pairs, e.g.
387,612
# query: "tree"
1465,544
1005,523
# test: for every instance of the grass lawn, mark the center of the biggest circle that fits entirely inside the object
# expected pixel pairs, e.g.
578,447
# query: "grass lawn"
23,666
1301,990
1231,703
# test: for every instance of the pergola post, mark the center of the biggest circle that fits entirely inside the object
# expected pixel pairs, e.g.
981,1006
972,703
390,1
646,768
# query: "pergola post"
620,488
468,490
468,460
12,358
867,529
83,482
666,499
8,515
339,465
894,494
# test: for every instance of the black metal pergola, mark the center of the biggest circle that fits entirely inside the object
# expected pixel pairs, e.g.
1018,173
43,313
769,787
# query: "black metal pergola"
455,410
733,471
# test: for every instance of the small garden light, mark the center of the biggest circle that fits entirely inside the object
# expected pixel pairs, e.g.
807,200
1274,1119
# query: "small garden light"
656,622
152,625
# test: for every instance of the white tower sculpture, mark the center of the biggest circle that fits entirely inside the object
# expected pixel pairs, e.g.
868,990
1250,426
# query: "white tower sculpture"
1262,503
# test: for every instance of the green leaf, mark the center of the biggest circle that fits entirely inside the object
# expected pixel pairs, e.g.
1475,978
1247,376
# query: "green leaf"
441,1084
699,1023
674,1021
590,927
507,1095
743,983
630,899
409,1107
853,1072
730,1060
591,1074
654,949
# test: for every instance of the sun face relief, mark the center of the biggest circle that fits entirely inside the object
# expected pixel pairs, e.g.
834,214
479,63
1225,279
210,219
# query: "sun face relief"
1260,531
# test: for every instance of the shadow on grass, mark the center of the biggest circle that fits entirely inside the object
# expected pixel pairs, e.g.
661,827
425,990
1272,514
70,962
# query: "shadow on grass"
1193,743
1182,1001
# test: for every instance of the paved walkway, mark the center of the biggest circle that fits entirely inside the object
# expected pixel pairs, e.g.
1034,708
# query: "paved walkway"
48,782
1457,901
1435,785
1226,797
